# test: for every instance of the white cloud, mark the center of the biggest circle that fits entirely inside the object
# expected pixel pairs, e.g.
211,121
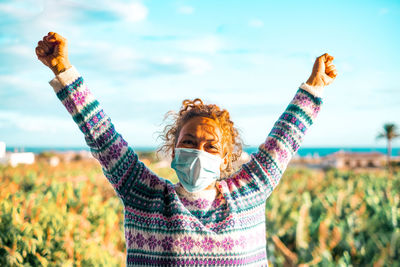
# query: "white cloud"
208,44
130,59
237,99
147,135
124,58
171,65
25,81
97,47
35,124
187,10
133,12
62,14
58,16
256,23
126,62
18,49
21,9
197,65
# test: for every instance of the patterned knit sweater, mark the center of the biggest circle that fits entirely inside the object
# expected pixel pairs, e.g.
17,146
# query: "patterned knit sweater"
164,224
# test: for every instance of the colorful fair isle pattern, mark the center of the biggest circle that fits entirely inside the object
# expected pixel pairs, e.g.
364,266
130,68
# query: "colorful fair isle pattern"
164,224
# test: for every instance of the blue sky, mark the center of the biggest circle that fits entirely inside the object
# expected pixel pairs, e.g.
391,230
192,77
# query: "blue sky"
142,58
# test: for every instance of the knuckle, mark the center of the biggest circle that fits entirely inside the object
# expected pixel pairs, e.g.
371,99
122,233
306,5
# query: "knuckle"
57,36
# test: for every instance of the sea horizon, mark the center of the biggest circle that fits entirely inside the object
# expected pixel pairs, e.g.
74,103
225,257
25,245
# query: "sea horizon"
320,151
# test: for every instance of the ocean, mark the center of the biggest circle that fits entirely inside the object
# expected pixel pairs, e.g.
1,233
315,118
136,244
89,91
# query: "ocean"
323,151
302,152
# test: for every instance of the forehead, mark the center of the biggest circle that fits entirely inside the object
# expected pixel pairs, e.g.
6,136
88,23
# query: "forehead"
201,127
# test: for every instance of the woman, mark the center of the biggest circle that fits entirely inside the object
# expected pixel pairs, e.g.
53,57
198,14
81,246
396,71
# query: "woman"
212,216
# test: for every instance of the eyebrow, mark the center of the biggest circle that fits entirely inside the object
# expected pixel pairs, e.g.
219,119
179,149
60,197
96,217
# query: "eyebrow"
194,137
190,135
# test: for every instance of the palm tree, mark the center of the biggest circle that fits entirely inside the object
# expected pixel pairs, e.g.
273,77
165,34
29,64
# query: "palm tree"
390,131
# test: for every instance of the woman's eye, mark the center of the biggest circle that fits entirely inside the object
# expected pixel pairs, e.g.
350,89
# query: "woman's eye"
212,147
188,142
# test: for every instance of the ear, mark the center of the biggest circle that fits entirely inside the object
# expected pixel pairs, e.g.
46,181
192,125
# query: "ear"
225,161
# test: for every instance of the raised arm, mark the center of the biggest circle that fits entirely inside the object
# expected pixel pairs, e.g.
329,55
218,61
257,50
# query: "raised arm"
263,172
119,162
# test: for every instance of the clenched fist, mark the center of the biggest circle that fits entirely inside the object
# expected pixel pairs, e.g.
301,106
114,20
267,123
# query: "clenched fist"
53,53
324,72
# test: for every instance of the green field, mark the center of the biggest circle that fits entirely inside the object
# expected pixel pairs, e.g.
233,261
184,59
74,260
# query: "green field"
70,216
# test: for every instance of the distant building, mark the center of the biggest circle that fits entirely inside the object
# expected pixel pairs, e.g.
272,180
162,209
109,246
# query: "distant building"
21,158
342,160
2,149
54,161
2,152
15,158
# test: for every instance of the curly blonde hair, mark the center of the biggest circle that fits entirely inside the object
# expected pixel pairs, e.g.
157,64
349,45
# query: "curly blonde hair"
231,140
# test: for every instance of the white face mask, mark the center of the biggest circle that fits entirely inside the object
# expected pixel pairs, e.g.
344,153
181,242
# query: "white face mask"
196,169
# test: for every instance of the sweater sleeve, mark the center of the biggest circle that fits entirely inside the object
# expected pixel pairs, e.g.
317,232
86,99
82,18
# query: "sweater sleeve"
265,168
119,162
